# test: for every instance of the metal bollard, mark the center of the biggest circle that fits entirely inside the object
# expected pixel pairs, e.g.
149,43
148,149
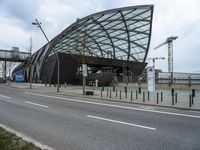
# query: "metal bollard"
101,93
161,96
120,94
131,95
148,96
110,94
172,99
102,88
113,88
136,94
172,91
139,90
157,98
190,100
143,97
193,92
125,91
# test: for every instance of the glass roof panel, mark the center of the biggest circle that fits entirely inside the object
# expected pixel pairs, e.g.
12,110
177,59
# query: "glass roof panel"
127,30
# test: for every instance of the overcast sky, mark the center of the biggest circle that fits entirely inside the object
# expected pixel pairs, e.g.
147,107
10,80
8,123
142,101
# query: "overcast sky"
171,18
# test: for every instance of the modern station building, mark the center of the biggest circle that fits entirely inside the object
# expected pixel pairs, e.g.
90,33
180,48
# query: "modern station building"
113,44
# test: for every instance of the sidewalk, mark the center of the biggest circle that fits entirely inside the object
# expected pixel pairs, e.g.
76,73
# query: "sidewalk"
162,98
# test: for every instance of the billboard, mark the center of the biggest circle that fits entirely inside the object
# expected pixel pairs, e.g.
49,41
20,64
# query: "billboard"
19,77
151,79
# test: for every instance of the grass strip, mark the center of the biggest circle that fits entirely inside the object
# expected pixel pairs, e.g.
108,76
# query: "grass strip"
9,141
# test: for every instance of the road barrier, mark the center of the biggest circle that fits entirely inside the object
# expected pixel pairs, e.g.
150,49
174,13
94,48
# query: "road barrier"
170,97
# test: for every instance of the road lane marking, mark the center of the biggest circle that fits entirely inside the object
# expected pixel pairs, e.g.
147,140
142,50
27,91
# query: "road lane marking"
121,122
4,96
117,106
36,104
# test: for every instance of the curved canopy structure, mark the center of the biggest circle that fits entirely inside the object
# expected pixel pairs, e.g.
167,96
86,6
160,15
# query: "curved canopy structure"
122,33
119,34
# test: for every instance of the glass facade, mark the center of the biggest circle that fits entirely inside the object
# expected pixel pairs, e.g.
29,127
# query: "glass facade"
122,33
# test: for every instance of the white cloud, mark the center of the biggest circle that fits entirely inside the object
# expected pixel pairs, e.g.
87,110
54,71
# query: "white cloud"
12,34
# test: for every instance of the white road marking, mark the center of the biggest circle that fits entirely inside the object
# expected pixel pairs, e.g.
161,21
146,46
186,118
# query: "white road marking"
121,122
36,104
117,106
4,96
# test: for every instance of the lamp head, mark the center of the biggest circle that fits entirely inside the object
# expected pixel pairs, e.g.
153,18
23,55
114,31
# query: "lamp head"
34,23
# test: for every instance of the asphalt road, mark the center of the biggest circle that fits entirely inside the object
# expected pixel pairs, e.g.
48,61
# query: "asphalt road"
69,123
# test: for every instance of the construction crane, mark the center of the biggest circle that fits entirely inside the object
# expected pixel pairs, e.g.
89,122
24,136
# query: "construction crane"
156,58
169,42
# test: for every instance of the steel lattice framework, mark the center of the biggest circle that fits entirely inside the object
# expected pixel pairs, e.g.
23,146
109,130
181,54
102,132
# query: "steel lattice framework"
122,33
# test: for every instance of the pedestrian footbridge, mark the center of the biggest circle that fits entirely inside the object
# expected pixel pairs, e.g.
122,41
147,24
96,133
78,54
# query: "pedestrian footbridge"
13,55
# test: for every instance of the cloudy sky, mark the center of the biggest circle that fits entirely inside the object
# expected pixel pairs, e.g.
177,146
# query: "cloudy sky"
171,18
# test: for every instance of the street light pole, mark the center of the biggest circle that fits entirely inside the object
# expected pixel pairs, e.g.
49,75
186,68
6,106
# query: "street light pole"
56,54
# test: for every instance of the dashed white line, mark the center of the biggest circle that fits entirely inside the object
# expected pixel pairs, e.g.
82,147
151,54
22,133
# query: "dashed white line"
4,96
121,122
117,106
36,104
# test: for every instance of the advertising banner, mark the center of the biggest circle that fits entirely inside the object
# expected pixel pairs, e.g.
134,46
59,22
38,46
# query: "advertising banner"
19,77
151,79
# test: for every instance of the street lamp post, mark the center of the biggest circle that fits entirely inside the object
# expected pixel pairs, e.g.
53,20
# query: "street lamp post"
38,24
